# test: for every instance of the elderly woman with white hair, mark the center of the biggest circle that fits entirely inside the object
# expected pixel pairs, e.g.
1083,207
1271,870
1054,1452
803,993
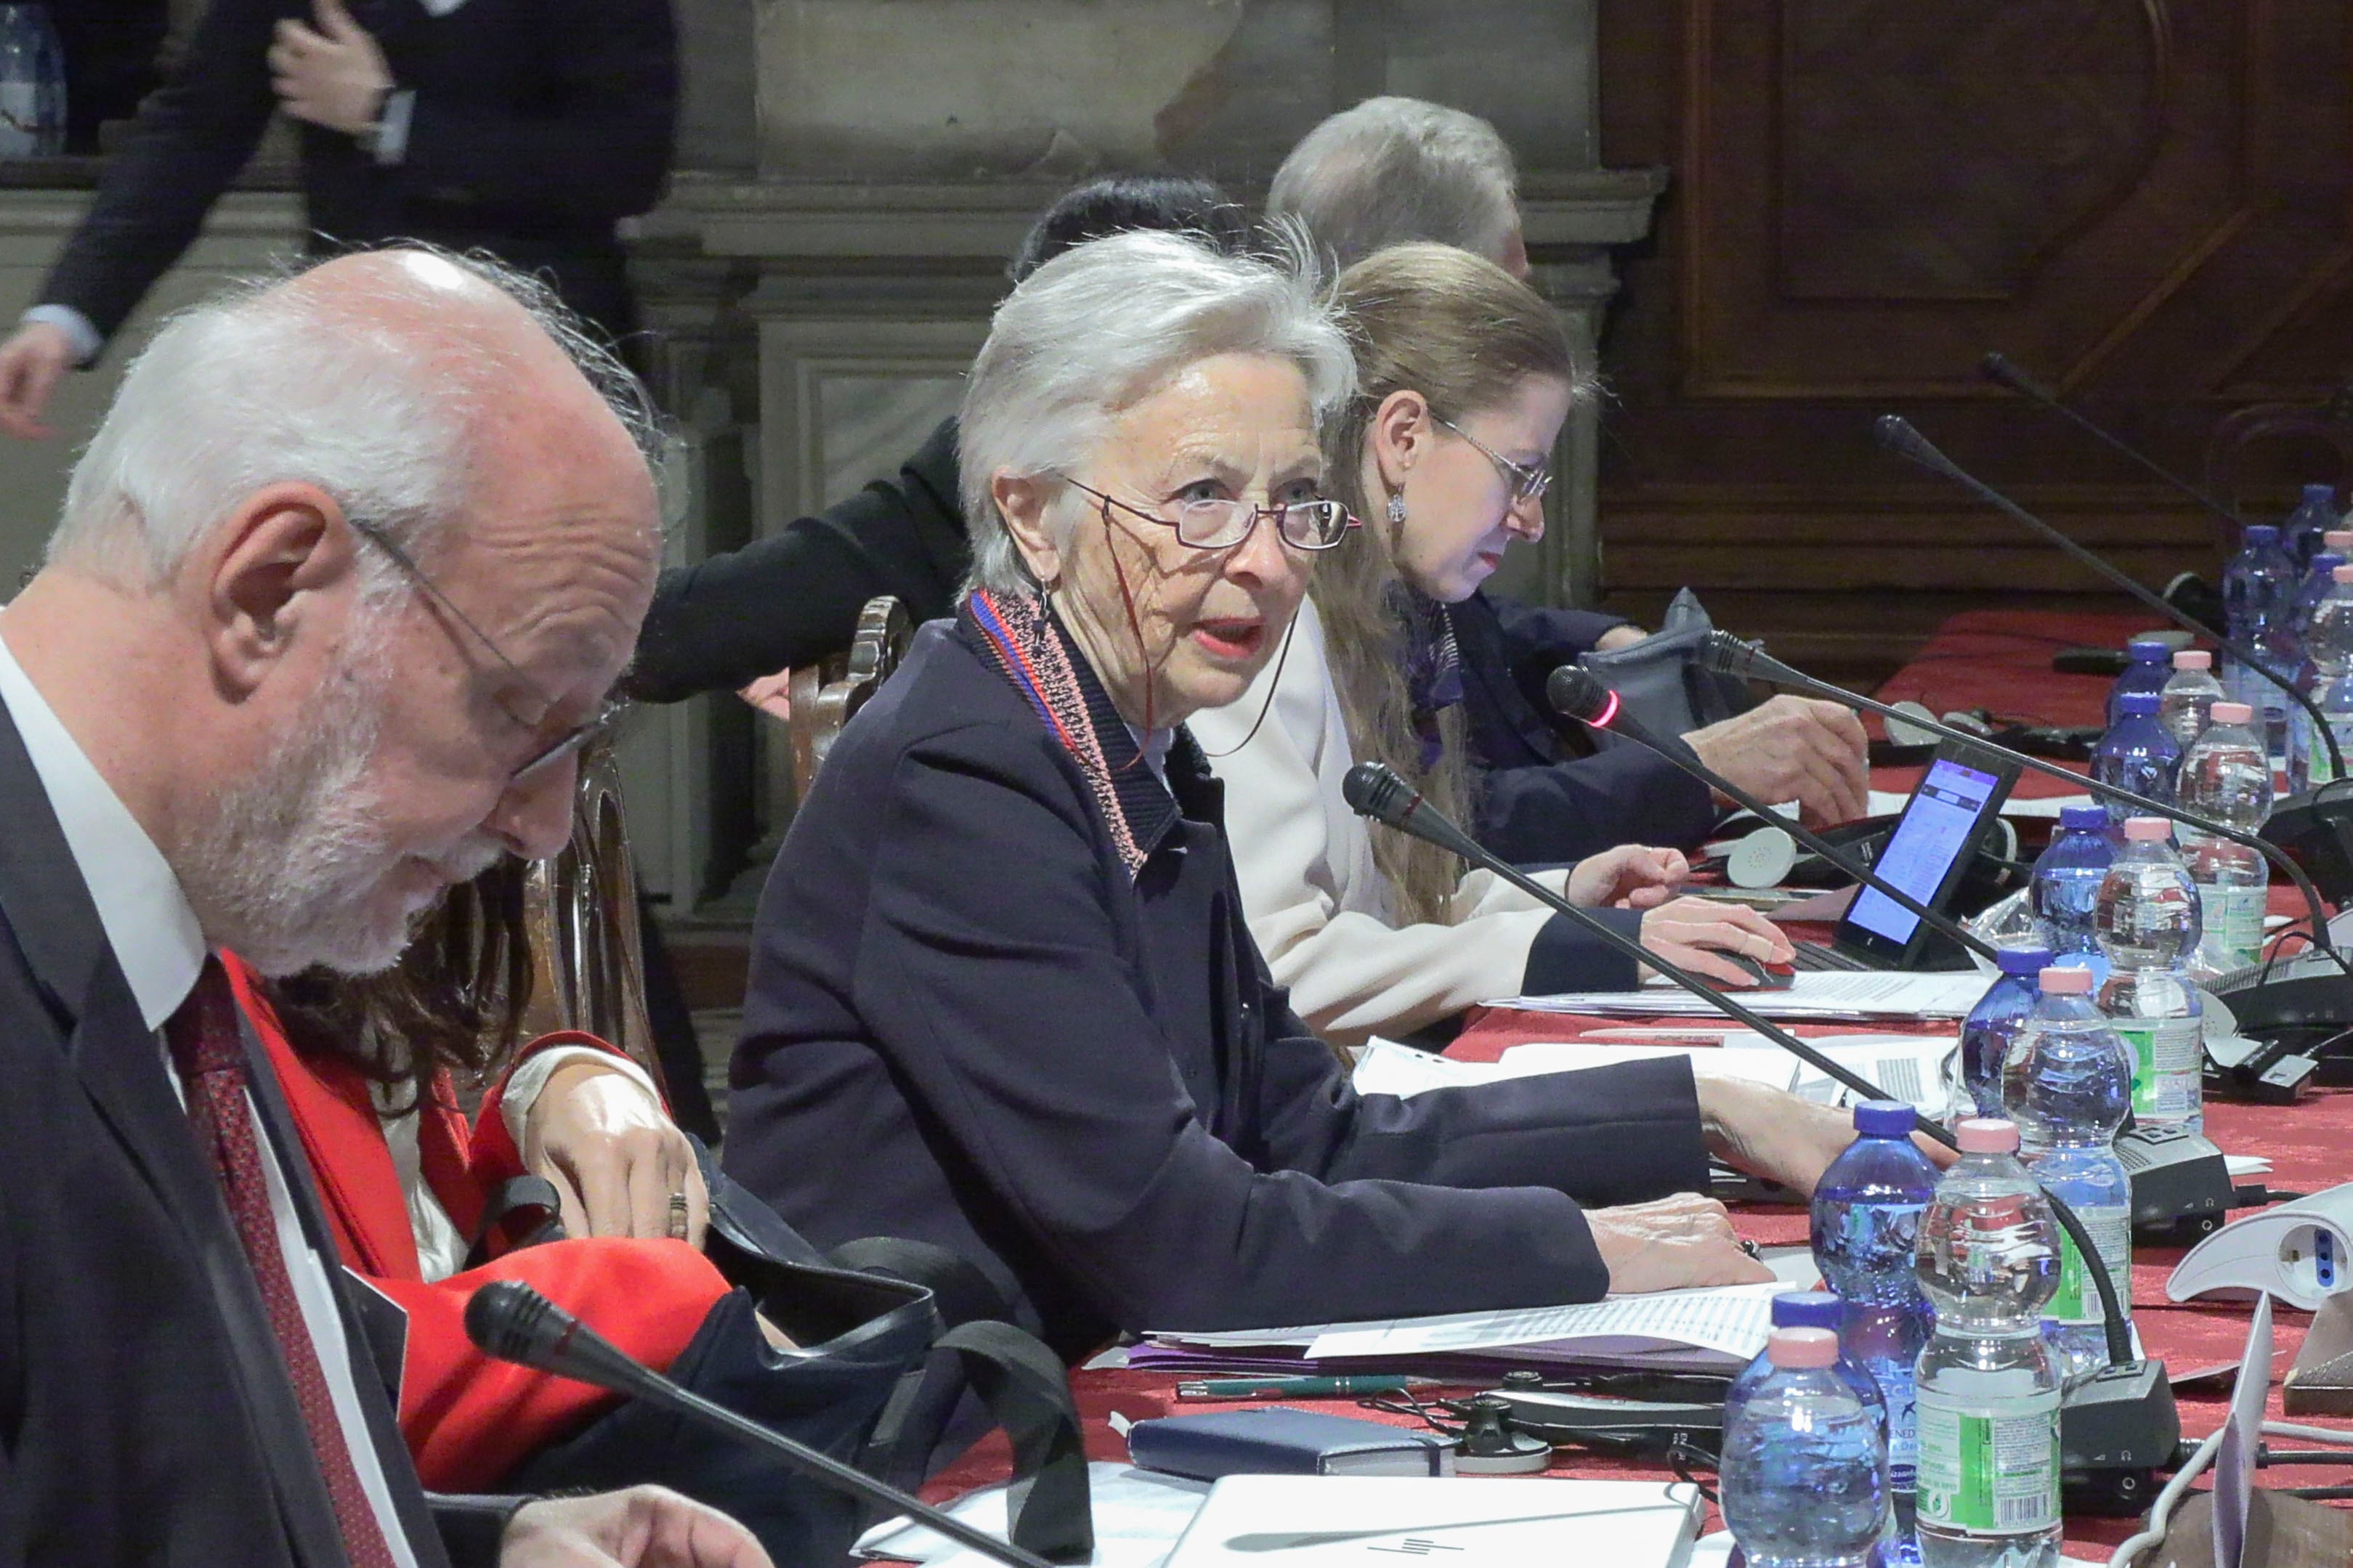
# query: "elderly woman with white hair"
1003,996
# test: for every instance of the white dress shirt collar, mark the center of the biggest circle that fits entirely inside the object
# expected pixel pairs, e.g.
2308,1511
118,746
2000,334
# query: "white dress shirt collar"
145,915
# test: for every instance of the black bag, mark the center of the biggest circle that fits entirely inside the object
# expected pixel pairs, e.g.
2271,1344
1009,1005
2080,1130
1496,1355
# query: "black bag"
879,1375
1660,680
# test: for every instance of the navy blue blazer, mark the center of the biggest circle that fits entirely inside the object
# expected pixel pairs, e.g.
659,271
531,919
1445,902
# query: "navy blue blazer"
145,1413
966,1025
1540,804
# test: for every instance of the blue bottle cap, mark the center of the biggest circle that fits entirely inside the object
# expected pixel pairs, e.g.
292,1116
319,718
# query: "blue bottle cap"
1885,1119
2262,534
2325,561
2320,492
2083,818
2031,960
2140,704
2149,651
1808,1309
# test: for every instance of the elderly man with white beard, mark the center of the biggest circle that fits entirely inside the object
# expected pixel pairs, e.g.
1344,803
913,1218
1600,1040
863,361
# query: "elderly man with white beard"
342,587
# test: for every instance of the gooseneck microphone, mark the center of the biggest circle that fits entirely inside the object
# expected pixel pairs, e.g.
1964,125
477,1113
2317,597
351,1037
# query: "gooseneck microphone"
1725,654
1374,790
1999,368
1896,433
509,1320
1576,692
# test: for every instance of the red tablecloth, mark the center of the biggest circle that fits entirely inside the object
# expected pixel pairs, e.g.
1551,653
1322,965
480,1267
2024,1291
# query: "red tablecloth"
1999,661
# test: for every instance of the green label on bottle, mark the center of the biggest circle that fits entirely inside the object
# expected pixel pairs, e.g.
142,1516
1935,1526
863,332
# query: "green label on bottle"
2165,1058
2078,1298
2233,918
1990,1466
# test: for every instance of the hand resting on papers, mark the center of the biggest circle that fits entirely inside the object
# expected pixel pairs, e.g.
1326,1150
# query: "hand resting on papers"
1686,1240
1670,1244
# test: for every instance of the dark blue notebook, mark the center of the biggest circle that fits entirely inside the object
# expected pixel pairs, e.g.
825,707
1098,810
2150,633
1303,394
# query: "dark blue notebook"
1265,1441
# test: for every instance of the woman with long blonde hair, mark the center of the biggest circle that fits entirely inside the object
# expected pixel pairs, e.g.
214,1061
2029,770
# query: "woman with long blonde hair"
1464,379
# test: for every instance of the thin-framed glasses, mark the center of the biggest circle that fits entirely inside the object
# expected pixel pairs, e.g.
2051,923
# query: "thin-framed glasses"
1214,524
1529,483
570,743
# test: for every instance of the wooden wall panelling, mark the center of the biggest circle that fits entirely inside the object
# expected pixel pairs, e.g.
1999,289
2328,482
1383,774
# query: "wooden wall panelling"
2144,201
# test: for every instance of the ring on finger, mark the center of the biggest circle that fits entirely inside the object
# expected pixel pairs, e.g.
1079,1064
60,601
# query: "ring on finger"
677,1217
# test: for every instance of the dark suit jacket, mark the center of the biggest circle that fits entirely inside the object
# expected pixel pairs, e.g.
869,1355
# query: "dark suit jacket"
1540,803
145,1415
793,598
538,124
968,1026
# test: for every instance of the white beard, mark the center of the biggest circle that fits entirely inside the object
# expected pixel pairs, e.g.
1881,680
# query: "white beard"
288,872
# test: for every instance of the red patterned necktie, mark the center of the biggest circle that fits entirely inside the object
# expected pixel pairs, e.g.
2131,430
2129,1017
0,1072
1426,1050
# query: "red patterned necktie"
209,1051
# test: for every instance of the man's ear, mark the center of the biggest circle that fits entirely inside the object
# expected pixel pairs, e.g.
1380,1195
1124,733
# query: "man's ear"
1023,502
280,568
1400,433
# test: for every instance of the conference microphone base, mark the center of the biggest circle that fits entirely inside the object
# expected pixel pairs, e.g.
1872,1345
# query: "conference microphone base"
2180,1185
2117,1427
2315,830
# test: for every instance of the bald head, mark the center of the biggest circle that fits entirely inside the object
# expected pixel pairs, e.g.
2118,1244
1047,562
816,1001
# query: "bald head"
349,553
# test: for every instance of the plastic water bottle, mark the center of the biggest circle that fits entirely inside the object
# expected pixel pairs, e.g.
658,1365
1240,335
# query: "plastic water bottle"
2226,777
2146,918
1810,1309
1989,1401
2067,1085
2148,661
1987,1033
1804,1478
2315,516
2324,621
1864,1226
2189,696
2136,753
2258,595
32,84
2066,885
2314,668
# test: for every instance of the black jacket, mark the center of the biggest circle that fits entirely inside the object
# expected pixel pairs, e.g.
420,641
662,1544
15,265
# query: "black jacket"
967,1024
145,1415
538,124
793,598
1540,803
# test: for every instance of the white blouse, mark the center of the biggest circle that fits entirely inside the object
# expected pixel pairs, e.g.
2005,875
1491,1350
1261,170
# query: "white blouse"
1319,908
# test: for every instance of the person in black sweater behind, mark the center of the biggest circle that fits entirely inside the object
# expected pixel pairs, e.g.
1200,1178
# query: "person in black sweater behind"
730,621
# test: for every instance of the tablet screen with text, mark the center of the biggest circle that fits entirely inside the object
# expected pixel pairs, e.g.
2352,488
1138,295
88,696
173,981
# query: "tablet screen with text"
1940,825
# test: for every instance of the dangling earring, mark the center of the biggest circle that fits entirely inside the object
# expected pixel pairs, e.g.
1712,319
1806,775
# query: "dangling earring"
1397,508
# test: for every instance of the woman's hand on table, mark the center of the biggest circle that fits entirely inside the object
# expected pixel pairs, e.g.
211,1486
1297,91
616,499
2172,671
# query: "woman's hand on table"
1770,1133
1688,932
1629,876
1671,1244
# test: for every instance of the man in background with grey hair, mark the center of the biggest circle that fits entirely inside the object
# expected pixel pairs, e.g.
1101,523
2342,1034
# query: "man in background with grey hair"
343,582
1393,170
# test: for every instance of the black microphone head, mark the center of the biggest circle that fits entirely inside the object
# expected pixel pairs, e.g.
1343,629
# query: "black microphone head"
1374,790
1576,692
1721,653
509,1320
1895,432
1997,367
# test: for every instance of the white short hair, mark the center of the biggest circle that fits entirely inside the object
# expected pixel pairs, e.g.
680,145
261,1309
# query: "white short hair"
1393,170
1104,325
269,384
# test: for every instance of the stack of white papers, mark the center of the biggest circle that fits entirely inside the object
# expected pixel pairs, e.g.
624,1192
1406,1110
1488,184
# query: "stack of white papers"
1822,995
1729,1322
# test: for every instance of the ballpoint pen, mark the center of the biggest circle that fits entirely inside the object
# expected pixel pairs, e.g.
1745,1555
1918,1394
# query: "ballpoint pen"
1299,1387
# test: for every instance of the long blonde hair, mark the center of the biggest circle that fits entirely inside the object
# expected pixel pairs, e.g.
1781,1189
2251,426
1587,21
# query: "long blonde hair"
1466,335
